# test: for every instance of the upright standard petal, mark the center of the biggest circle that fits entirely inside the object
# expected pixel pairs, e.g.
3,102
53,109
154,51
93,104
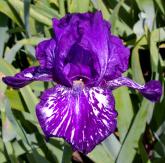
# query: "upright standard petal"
83,117
84,38
45,53
151,90
118,58
27,76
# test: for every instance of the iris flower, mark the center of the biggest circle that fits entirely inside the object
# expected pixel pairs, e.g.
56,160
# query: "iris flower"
86,61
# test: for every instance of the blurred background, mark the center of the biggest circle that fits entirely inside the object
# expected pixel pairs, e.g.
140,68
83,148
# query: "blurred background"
140,134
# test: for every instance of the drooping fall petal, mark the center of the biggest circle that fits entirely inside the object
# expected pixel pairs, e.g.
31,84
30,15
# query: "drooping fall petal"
27,76
83,117
151,90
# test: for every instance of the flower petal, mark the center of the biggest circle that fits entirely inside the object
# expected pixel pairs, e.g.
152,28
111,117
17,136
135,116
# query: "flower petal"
88,33
27,76
73,71
95,37
45,53
151,90
83,117
118,58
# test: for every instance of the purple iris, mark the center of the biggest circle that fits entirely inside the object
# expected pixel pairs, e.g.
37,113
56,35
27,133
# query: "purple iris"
86,61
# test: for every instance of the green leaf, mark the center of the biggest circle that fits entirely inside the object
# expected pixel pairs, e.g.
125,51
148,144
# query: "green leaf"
38,86
159,146
113,146
56,150
2,156
143,152
10,116
121,28
10,152
18,149
15,100
61,7
114,16
45,10
78,5
11,13
161,5
155,37
124,109
3,32
6,68
161,129
99,154
37,16
26,15
131,141
36,157
10,54
30,99
154,52
158,121
135,63
99,5
8,132
67,154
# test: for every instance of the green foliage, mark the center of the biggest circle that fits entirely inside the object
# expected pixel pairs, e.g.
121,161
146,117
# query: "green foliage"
141,124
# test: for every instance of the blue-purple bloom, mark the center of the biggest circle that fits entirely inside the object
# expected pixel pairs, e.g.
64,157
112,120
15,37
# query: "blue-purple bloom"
86,61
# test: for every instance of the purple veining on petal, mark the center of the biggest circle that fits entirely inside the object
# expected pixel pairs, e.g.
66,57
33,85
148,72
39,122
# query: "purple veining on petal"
84,38
45,53
118,58
27,76
83,117
74,72
151,90
95,38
